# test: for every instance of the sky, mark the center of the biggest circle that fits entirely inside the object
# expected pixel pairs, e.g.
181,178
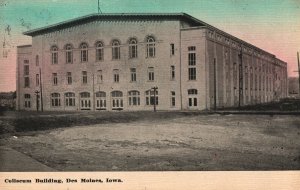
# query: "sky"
273,25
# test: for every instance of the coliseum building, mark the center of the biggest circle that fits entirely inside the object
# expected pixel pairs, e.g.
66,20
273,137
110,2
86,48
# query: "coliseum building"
133,61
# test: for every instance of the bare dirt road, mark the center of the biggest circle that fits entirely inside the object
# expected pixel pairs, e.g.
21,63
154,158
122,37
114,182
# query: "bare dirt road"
184,142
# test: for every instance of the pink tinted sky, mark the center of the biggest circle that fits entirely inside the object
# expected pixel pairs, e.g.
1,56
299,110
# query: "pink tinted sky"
273,25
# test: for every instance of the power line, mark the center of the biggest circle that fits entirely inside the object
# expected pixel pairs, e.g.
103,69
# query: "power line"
99,10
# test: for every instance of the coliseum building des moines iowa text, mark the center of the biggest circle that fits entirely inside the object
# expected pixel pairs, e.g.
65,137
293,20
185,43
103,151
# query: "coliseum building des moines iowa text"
132,61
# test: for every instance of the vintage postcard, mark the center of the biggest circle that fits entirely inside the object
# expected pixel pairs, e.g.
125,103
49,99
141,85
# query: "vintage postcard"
142,95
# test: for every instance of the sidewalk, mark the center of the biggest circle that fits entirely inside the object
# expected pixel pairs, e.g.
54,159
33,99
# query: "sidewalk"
14,161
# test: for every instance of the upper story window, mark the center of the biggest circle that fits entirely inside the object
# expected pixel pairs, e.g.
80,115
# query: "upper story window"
69,77
54,78
132,74
99,76
26,70
54,55
150,74
132,48
69,53
99,51
192,91
115,49
37,79
172,72
84,77
116,75
150,46
84,52
172,49
37,60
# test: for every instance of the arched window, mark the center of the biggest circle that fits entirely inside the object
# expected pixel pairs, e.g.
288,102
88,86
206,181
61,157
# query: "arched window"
54,55
69,53
115,49
192,97
151,97
99,51
70,99
84,52
55,99
117,100
134,98
150,46
100,100
85,101
132,48
37,60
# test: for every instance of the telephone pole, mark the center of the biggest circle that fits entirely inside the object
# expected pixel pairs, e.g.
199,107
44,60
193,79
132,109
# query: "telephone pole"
154,101
298,71
99,10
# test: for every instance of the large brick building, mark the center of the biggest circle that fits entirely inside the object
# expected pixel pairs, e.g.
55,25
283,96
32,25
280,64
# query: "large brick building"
113,61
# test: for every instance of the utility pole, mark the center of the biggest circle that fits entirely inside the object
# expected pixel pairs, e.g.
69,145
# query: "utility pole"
215,84
99,10
41,90
298,72
154,102
37,100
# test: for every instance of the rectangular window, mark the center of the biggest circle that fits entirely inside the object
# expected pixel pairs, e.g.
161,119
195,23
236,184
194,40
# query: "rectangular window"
192,73
192,48
54,78
68,56
84,77
173,99
26,82
37,60
69,77
26,61
172,49
116,75
37,79
26,70
99,76
192,59
172,72
133,74
150,73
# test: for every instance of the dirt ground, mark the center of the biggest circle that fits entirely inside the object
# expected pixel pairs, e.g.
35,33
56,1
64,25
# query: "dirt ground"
184,142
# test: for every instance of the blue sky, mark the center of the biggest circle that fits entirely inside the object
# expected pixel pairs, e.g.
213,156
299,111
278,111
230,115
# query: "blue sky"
273,25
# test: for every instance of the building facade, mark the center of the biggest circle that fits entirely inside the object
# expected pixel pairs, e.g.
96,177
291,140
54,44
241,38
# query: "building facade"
133,61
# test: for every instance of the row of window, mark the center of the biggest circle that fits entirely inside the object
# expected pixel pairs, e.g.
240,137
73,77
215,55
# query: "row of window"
116,76
99,76
151,98
99,47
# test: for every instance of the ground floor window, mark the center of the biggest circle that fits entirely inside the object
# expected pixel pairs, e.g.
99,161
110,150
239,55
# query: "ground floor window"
134,98
100,100
117,100
70,99
150,99
173,99
85,101
27,101
192,97
55,99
